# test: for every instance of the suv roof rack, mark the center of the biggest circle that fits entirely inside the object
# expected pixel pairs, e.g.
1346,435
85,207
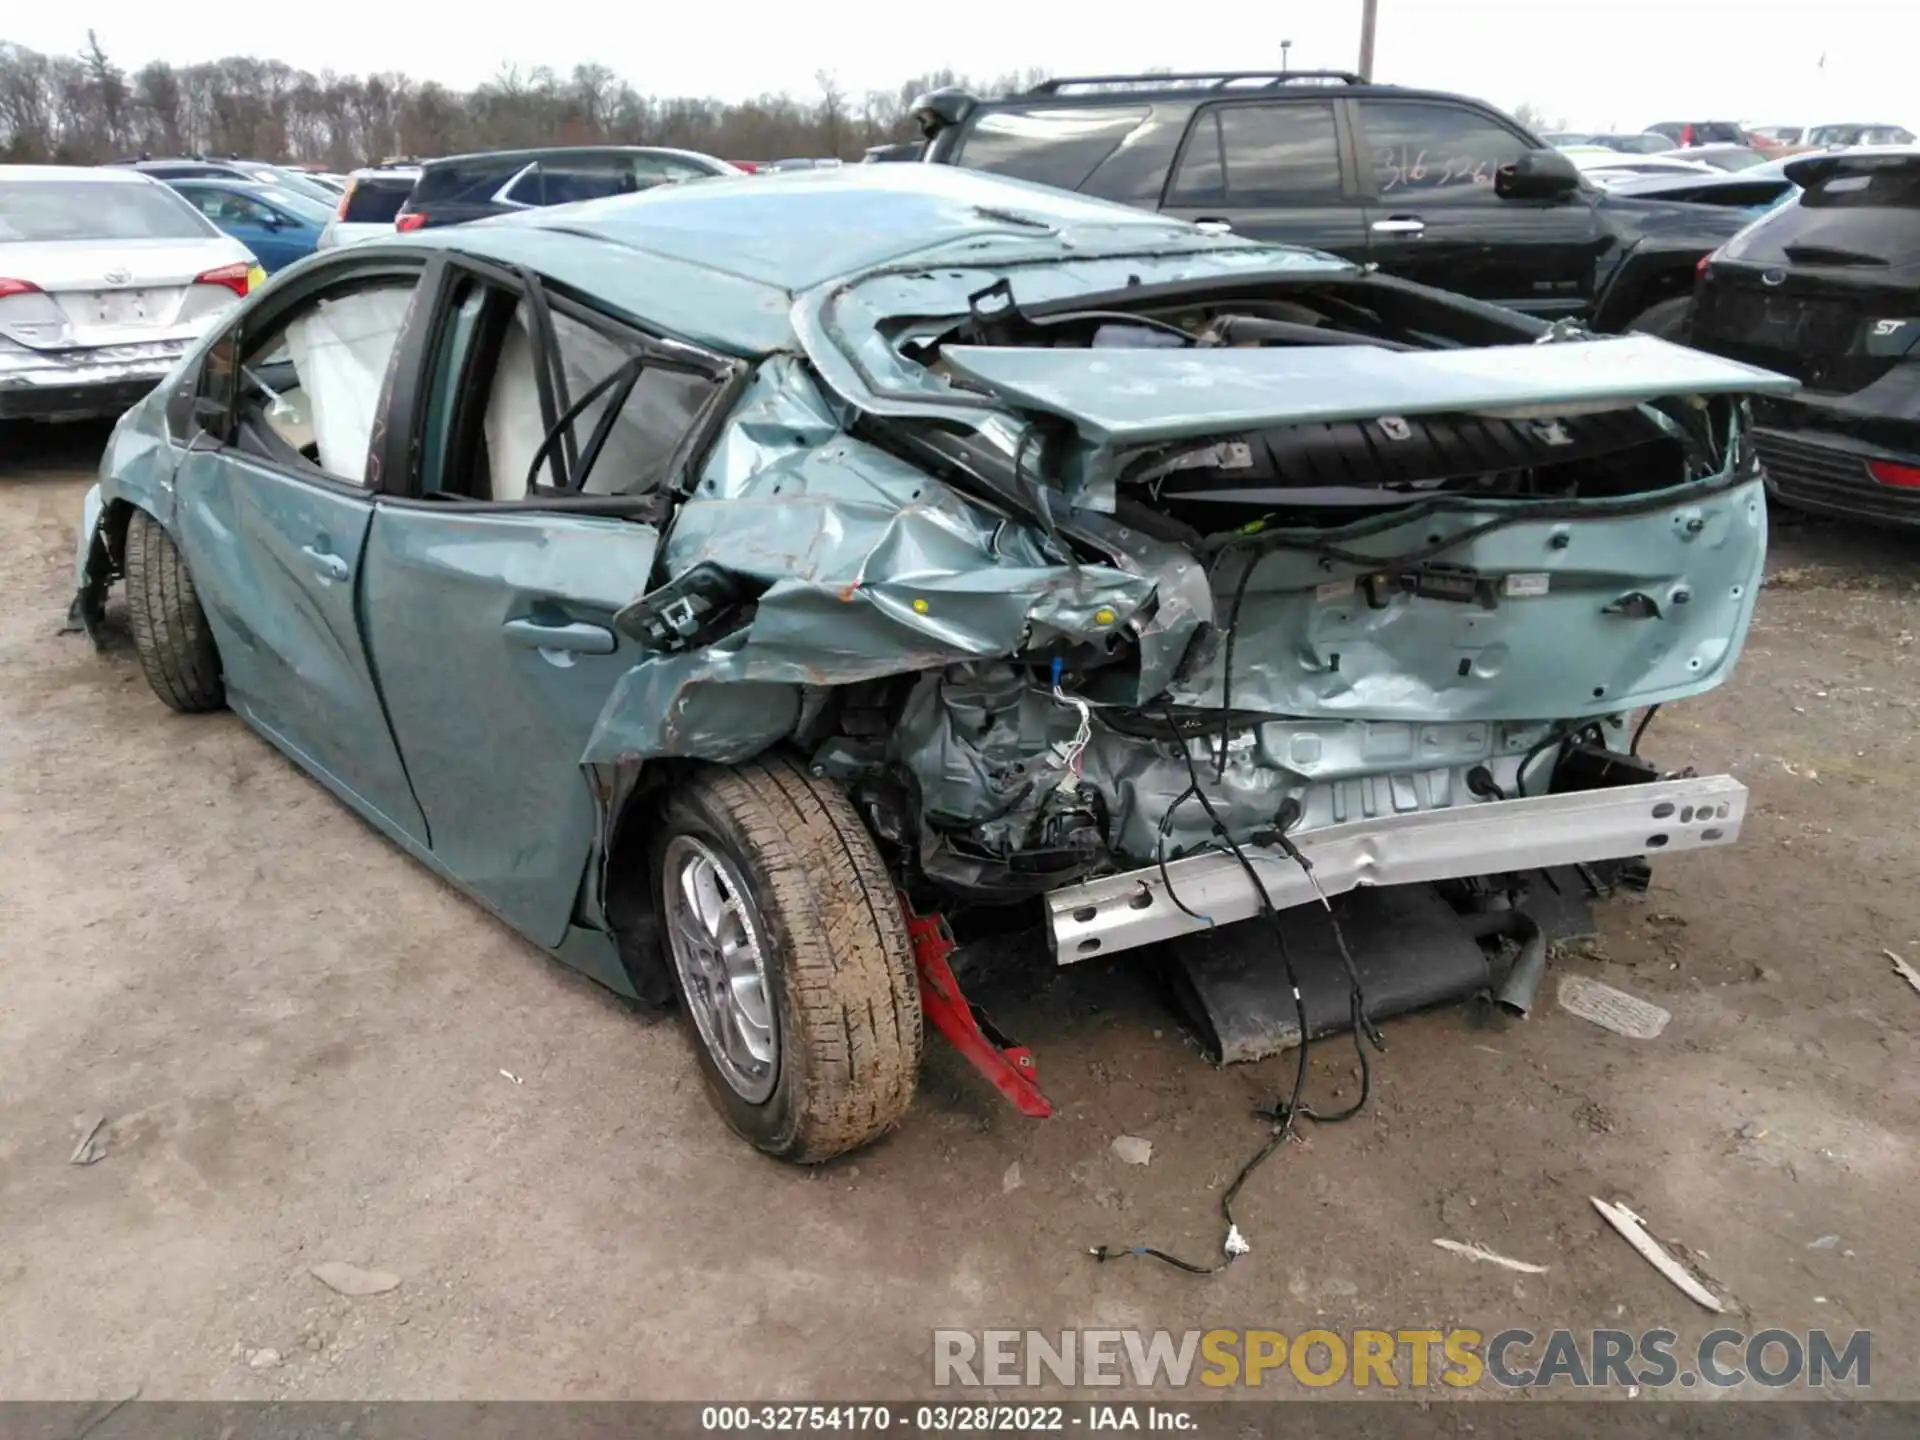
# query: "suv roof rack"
1218,79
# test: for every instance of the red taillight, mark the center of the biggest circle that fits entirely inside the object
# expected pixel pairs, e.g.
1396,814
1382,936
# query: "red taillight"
1705,260
233,276
1889,472
409,220
17,287
340,210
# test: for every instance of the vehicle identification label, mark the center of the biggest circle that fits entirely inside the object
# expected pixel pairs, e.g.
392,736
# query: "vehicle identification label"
1530,583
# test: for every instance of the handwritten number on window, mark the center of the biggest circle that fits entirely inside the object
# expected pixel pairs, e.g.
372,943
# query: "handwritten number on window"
1400,167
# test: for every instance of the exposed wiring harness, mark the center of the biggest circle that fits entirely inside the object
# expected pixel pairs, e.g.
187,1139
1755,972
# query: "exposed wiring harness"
1073,756
1285,1114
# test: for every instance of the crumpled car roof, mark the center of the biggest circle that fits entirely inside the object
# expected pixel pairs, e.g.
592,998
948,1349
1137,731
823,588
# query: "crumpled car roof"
719,261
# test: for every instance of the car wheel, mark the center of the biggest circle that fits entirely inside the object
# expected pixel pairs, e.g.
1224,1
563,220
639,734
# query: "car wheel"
1667,320
169,628
791,958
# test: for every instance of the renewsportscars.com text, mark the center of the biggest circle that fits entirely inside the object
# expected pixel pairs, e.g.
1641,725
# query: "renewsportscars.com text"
1388,1359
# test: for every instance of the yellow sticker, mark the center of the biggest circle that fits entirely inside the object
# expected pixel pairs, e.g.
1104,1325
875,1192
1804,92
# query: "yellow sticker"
920,607
1103,616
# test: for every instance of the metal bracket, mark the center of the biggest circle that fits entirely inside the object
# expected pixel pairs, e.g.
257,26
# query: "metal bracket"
1009,1066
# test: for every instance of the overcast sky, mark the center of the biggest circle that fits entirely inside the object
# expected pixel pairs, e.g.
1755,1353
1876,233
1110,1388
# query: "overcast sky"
1596,65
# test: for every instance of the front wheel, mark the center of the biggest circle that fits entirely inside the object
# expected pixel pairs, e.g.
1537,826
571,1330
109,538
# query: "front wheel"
791,958
170,629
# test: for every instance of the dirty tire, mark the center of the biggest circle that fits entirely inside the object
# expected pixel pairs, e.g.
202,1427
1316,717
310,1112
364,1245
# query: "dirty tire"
839,963
1667,320
169,627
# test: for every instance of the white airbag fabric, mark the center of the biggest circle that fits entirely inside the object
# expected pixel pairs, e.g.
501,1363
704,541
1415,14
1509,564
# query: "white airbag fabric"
340,351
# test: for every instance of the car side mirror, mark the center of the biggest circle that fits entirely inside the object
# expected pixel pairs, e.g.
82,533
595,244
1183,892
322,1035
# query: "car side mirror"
1537,175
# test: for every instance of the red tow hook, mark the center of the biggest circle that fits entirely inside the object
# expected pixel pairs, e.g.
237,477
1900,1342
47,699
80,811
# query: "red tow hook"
1009,1066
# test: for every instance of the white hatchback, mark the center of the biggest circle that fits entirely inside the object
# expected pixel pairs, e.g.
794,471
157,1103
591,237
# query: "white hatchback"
106,277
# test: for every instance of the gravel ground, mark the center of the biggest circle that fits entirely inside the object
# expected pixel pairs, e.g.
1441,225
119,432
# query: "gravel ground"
298,1038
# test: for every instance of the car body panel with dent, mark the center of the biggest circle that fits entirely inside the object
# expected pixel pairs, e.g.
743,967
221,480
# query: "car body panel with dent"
1017,518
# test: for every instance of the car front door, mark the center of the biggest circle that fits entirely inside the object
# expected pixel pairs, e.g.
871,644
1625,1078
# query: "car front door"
1270,170
1433,215
491,587
272,513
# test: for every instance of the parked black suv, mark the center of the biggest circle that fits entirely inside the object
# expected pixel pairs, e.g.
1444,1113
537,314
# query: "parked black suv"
497,182
1827,289
1432,187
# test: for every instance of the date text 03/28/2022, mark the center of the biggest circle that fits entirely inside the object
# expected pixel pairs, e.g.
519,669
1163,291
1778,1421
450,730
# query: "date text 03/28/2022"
946,1419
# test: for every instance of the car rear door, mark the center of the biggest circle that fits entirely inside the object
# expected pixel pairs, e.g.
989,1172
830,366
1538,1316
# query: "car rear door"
1273,170
492,583
272,510
1432,215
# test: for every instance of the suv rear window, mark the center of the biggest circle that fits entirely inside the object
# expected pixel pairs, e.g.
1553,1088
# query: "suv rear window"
1059,146
473,179
377,200
1891,188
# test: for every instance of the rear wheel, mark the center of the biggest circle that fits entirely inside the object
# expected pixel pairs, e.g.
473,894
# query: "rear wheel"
169,628
791,958
1667,320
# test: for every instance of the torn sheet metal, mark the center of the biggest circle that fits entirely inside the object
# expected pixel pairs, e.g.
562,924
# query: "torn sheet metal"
863,565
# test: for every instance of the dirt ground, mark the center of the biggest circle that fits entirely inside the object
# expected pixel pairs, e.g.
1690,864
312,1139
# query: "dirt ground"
308,1049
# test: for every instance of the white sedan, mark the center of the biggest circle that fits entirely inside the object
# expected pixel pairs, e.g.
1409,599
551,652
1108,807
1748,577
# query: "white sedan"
106,277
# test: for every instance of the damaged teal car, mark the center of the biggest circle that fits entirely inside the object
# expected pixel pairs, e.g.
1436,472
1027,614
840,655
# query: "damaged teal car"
728,584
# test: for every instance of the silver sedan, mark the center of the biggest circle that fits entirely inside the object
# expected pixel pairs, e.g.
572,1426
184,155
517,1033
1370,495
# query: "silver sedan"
106,277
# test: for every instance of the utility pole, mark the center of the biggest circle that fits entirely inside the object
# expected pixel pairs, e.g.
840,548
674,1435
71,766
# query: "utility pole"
1285,46
1369,14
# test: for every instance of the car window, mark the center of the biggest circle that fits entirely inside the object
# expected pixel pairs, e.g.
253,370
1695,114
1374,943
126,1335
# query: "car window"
1892,187
1435,153
311,388
96,210
485,398
1060,145
594,177
231,208
376,201
1266,155
298,206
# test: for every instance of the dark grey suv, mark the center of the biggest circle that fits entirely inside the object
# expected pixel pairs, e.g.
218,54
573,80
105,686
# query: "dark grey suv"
1437,188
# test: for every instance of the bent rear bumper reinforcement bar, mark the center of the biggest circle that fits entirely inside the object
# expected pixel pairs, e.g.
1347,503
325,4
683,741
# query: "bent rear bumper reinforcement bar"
1120,912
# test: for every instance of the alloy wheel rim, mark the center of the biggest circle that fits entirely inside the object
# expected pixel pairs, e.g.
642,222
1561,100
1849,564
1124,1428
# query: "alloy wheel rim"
715,938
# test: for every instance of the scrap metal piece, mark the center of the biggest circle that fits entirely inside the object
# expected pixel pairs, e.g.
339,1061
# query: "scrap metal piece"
92,1145
1905,971
1633,1230
1009,1066
1481,1253
1612,1009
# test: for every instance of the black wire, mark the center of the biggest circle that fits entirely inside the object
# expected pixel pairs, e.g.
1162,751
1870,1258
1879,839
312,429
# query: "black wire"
1160,857
1226,665
1641,728
1284,1116
1553,737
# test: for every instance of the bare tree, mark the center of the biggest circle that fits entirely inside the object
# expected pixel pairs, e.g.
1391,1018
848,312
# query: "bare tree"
85,109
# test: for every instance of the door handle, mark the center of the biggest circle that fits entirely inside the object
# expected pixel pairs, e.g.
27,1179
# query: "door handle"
1399,225
325,565
579,637
1213,225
